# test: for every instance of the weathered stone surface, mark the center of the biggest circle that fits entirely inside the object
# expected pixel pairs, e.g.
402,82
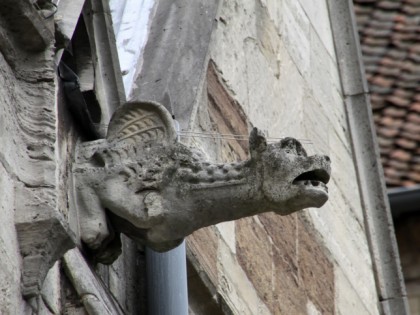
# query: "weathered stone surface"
95,297
30,28
226,115
234,286
315,269
174,192
10,259
292,271
43,238
51,289
28,134
250,236
205,262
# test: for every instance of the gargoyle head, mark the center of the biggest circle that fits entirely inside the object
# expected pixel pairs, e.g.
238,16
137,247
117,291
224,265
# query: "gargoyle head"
291,180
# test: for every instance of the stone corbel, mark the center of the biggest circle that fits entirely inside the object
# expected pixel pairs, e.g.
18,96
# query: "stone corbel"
142,182
24,19
43,234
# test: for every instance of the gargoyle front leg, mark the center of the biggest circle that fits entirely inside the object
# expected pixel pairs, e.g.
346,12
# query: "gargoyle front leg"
92,218
119,193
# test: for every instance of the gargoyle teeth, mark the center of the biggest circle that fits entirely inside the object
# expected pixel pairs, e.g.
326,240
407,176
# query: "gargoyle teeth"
314,177
312,183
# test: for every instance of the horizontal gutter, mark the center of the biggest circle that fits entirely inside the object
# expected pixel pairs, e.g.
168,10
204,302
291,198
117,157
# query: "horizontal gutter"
404,200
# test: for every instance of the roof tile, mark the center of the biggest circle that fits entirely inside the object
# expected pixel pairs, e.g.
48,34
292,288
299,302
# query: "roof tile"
406,144
414,118
395,112
398,101
390,38
398,165
389,5
387,132
401,155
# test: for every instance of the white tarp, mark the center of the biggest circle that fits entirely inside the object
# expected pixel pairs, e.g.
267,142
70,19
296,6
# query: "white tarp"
131,26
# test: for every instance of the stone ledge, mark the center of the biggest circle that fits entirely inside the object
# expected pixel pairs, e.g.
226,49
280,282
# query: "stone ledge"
27,26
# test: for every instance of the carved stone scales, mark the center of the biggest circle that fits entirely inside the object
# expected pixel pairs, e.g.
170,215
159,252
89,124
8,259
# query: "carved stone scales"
141,182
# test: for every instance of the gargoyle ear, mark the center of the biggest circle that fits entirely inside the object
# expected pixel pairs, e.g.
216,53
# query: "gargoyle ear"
257,142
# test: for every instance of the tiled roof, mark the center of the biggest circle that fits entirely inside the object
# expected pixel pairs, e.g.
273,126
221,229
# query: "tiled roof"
389,32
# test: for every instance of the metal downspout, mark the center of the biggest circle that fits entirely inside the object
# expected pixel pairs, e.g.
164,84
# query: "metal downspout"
167,288
167,292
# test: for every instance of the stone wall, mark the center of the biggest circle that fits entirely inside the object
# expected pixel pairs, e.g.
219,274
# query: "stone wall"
272,65
264,63
30,215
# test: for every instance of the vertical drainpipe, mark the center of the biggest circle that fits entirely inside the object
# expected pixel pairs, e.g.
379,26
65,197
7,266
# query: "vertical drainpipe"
166,273
378,220
167,282
167,292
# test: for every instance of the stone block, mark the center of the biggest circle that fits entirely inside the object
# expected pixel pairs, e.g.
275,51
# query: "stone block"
323,74
43,237
317,12
202,248
295,31
316,269
251,238
10,260
174,44
51,289
346,240
235,287
227,47
33,32
227,233
347,299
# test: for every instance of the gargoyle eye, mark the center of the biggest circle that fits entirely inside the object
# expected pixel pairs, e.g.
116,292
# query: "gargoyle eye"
97,160
125,175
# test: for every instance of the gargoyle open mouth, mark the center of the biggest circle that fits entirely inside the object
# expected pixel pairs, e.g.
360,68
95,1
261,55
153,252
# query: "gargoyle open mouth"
316,178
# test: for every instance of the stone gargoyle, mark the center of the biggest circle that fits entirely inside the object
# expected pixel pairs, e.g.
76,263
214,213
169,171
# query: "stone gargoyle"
142,182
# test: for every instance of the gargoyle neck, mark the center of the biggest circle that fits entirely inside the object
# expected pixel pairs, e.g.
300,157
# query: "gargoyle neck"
225,192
